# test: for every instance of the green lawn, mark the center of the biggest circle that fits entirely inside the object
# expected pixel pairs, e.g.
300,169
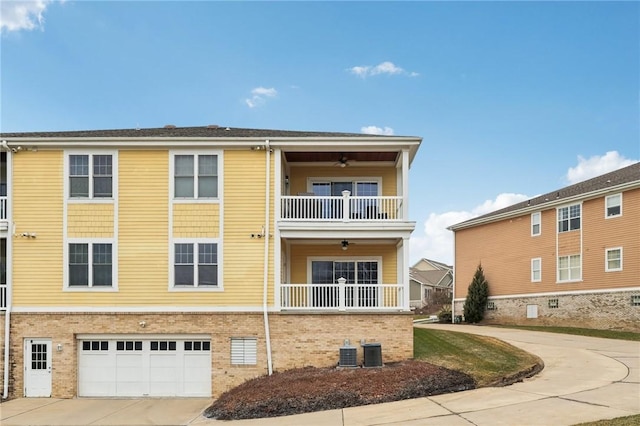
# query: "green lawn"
607,334
486,359
619,421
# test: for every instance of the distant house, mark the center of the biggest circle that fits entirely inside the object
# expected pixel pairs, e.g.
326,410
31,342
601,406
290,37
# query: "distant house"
570,257
428,278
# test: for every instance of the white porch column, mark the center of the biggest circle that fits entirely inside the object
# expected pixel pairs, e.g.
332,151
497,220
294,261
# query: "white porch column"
405,273
277,243
341,293
345,205
405,185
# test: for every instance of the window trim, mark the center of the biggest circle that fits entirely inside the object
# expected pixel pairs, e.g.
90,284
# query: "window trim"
91,198
606,206
90,287
606,259
539,260
568,207
354,259
196,242
194,199
570,279
537,215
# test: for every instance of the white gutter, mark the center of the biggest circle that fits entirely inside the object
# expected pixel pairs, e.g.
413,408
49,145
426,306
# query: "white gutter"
9,262
266,258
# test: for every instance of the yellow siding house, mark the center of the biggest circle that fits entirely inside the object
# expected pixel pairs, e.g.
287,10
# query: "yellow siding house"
184,261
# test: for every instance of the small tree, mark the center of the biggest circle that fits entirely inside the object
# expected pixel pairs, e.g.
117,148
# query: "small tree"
477,297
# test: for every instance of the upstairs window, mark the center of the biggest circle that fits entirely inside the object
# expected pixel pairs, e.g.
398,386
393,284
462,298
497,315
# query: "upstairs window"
90,265
536,225
613,206
91,176
196,264
569,218
613,260
196,176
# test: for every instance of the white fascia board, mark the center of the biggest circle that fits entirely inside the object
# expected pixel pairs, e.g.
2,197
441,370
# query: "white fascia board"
139,309
546,206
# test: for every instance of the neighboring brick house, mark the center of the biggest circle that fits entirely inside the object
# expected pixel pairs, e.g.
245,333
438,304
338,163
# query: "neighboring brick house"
570,257
429,278
184,261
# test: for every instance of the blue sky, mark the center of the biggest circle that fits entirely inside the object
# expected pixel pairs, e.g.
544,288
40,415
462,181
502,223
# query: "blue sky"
513,99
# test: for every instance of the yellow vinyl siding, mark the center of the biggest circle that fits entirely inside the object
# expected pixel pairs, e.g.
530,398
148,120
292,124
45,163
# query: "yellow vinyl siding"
196,220
37,262
506,248
299,176
143,251
300,253
90,220
244,214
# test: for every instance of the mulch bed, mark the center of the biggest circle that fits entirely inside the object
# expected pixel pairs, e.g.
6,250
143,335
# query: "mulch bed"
310,389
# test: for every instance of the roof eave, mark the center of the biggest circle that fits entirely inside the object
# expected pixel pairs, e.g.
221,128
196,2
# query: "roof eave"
545,206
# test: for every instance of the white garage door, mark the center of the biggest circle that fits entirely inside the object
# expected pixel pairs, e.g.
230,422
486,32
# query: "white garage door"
144,367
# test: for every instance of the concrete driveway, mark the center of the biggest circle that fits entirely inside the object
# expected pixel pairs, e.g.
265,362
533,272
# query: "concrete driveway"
584,379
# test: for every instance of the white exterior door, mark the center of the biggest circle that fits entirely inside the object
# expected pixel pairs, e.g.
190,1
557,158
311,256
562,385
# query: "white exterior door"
37,368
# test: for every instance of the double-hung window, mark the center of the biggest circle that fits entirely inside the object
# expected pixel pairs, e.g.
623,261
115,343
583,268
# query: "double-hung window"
536,270
613,206
195,176
195,265
569,218
569,268
536,224
90,176
90,265
613,259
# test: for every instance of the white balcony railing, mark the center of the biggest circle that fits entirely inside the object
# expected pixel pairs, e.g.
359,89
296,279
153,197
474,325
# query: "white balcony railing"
3,297
3,208
341,297
345,208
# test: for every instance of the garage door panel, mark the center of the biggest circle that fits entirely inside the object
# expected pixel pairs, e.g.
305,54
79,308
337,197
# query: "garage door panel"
145,368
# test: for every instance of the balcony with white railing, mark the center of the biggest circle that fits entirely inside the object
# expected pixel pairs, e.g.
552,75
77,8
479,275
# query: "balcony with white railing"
345,208
341,297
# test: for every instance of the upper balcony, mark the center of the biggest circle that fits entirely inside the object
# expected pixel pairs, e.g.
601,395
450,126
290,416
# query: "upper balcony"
342,189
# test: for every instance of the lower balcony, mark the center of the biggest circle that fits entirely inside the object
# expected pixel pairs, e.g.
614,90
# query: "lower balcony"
341,297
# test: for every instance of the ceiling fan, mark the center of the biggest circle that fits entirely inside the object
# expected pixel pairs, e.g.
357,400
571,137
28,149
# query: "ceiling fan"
343,161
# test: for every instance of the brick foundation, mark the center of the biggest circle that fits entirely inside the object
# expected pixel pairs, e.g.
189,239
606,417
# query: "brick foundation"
605,311
297,340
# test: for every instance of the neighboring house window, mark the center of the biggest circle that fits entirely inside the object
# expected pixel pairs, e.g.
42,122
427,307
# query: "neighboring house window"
244,351
569,268
196,264
536,226
90,176
196,176
614,259
90,265
569,218
613,206
536,269
635,300
553,303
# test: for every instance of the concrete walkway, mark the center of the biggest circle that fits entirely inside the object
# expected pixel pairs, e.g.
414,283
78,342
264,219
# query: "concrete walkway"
584,379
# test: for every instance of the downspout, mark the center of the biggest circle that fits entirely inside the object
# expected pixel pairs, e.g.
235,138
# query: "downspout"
453,286
267,334
9,261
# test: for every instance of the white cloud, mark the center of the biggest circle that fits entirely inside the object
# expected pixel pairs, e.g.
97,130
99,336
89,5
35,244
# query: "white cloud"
436,241
596,166
259,95
22,15
382,68
374,130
